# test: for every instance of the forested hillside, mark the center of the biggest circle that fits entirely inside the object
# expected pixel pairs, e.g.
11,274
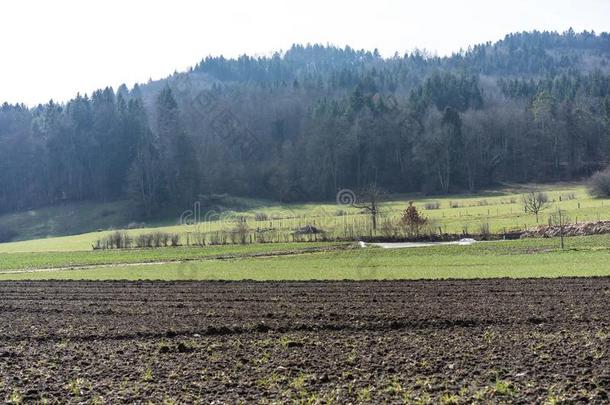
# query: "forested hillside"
304,123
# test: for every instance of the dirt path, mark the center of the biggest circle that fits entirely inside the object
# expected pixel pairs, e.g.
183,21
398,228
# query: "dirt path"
161,262
401,245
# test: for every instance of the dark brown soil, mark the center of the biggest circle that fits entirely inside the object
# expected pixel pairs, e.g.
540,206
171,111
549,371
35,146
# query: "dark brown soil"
517,341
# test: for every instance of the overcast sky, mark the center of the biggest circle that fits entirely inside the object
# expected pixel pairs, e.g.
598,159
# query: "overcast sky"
54,49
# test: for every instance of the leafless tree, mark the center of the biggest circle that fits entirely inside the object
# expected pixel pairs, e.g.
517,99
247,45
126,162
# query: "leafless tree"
241,231
560,220
368,200
535,202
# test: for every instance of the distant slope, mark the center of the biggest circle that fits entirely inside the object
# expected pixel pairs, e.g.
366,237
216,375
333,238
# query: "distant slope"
70,219
91,217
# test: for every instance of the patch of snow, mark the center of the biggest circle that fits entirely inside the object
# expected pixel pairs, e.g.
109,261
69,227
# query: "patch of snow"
466,241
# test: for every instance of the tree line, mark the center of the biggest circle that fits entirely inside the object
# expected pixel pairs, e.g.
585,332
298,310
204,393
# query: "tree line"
302,124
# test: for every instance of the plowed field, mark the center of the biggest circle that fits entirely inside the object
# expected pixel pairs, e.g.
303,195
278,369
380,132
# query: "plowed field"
523,341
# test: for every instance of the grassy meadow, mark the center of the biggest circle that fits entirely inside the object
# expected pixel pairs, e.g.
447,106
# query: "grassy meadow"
499,210
66,259
72,257
585,256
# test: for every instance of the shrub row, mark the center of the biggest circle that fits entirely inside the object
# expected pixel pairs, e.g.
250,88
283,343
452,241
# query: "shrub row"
122,240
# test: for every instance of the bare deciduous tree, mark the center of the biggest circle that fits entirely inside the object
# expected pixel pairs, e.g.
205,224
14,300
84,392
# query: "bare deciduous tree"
535,202
560,220
369,199
241,231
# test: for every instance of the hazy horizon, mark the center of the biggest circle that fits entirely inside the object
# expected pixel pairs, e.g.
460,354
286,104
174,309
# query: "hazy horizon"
98,44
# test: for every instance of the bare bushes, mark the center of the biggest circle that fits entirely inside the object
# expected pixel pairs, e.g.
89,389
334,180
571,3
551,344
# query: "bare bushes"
432,205
122,240
599,184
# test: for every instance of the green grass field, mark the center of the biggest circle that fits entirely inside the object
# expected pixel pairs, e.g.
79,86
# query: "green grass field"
43,260
500,209
72,257
584,256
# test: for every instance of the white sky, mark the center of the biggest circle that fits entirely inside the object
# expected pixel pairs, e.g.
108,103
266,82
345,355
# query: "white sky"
56,48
